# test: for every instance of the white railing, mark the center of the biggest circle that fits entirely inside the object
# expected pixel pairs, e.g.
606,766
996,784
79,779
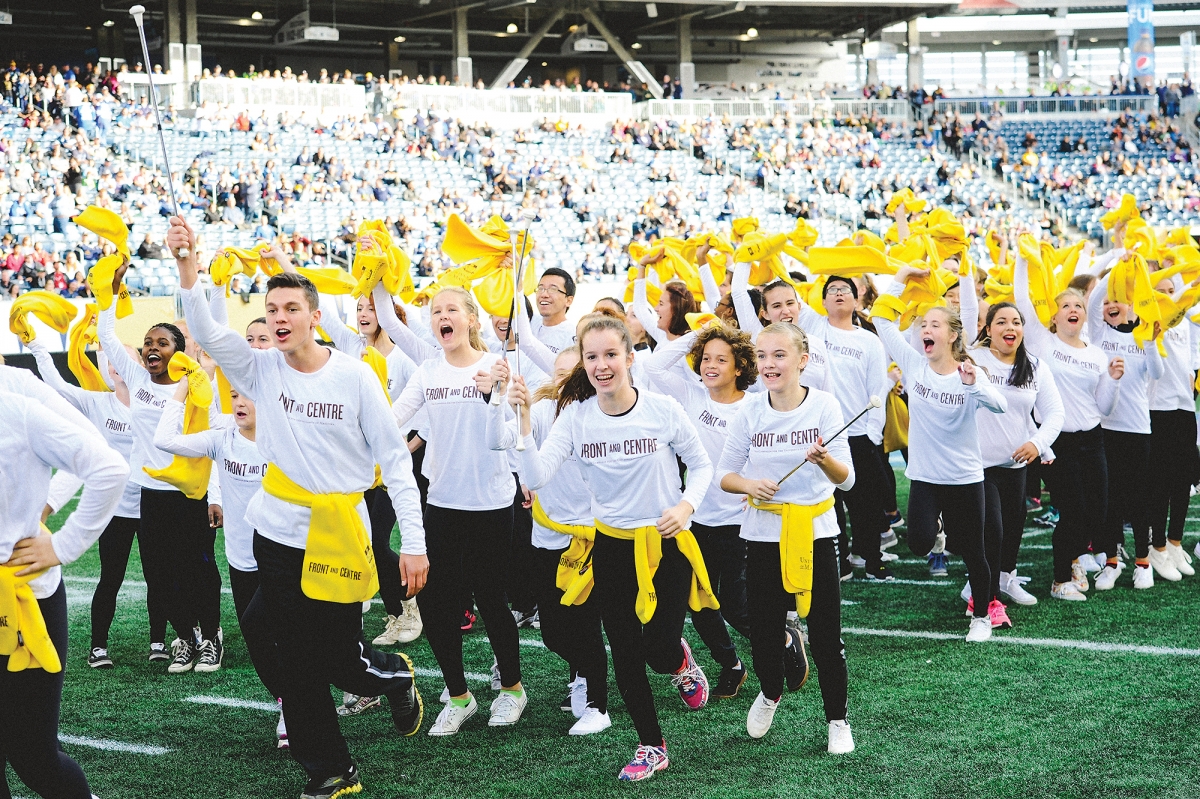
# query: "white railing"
765,109
508,104
1050,106
269,93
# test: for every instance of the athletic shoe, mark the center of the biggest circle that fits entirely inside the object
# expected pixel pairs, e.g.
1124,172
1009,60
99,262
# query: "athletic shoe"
212,654
506,709
1079,577
857,562
99,659
970,612
578,700
565,705
1143,577
536,621
158,652
590,722
1181,559
1197,549
452,718
888,540
999,615
1032,504
938,565
281,739
646,761
408,709
1069,592
1013,587
880,573
841,740
399,629
1047,520
888,557
497,683
341,785
1162,563
357,705
965,594
1107,578
445,695
468,621
981,630
894,519
795,660
1090,563
690,680
523,618
730,682
846,568
183,656
761,714
939,543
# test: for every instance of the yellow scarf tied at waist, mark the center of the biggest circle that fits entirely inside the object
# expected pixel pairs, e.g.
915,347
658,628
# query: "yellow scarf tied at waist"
189,475
23,635
575,578
796,547
84,333
52,309
339,565
647,554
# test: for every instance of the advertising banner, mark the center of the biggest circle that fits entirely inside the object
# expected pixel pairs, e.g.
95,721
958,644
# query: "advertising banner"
1141,41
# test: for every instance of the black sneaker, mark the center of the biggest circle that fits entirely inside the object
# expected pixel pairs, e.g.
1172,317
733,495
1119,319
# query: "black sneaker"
183,656
158,652
212,654
847,569
795,660
341,785
99,659
881,573
525,618
730,681
408,710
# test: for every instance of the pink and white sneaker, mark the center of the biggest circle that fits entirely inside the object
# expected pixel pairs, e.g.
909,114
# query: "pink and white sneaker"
646,761
999,615
970,607
690,680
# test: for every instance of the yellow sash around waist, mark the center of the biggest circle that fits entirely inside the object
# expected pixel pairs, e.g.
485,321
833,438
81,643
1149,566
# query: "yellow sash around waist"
23,635
339,565
575,577
647,553
796,547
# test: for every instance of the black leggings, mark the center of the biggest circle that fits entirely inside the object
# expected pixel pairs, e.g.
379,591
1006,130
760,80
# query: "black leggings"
115,544
468,549
724,554
256,629
1078,483
1127,454
769,606
178,560
961,509
865,501
1173,453
571,631
29,718
1003,521
635,646
520,565
383,519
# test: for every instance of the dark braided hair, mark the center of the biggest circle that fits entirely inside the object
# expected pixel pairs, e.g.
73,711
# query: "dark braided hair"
176,334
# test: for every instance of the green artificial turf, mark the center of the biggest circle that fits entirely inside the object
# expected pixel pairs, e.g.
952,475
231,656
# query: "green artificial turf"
931,718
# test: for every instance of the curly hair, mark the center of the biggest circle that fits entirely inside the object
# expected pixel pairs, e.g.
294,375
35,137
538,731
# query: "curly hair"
744,361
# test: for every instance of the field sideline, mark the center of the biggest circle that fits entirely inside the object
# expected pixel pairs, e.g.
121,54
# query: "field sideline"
1078,699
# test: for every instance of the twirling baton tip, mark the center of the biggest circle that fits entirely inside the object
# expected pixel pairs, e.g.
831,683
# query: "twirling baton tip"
875,401
137,11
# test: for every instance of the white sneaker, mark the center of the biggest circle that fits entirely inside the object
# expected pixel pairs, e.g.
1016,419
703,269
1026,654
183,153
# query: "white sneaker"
497,683
939,545
1106,579
762,713
841,741
445,697
1079,577
1013,587
1143,577
1100,558
1181,559
1069,592
857,562
965,594
452,718
366,606
281,737
981,630
1162,563
391,631
888,557
579,700
590,722
506,709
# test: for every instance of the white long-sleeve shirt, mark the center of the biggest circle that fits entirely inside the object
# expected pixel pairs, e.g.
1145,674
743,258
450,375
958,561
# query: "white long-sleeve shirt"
1173,391
35,441
400,367
326,429
556,337
943,439
1000,434
766,443
627,461
1131,413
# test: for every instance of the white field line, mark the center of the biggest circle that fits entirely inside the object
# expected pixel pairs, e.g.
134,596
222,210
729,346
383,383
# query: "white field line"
73,578
1057,643
942,582
113,746
228,701
470,675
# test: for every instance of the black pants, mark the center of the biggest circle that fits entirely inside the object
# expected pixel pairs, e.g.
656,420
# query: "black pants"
1127,455
634,645
29,718
468,548
383,519
256,628
769,605
1078,483
1003,521
865,501
571,631
724,554
520,565
961,509
116,542
1173,453
418,458
178,560
320,643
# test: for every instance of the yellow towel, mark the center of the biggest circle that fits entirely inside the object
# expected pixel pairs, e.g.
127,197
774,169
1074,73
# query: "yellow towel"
575,578
107,225
339,565
100,281
851,261
189,475
906,196
796,547
378,258
52,309
895,424
23,635
647,554
223,392
1124,212
763,251
330,280
487,258
84,333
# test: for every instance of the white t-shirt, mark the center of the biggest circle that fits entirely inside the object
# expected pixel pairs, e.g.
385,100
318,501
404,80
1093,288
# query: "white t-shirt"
556,337
1000,434
566,499
857,370
766,443
1173,391
1131,414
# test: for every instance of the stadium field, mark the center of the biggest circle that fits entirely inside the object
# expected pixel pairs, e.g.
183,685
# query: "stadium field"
1079,699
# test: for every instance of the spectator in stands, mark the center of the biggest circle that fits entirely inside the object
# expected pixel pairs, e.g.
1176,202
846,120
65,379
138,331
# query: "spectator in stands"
150,248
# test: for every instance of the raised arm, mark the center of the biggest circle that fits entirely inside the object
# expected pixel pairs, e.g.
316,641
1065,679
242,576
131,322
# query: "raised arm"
739,289
217,306
968,306
130,370
645,311
75,395
231,351
712,292
400,334
659,367
909,360
1095,311
541,355
345,339
1038,338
